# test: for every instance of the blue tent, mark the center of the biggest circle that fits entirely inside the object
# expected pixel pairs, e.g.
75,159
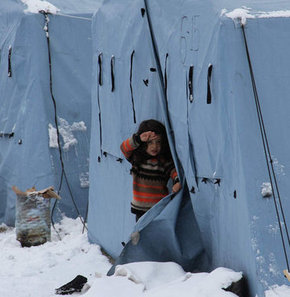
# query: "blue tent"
31,103
215,76
220,85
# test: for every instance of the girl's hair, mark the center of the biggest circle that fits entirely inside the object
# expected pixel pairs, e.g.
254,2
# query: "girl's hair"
157,127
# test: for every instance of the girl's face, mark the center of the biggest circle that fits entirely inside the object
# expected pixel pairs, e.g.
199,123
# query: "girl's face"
154,146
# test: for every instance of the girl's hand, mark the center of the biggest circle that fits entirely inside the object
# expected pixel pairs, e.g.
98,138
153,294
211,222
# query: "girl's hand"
146,136
176,187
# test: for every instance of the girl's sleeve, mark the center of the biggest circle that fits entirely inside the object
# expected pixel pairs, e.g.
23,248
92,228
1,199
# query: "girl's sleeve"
129,145
171,171
174,176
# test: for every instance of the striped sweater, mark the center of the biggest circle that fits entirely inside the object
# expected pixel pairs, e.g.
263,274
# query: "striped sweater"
149,178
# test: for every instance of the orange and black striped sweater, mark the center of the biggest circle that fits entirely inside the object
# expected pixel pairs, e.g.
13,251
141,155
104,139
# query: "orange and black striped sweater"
149,178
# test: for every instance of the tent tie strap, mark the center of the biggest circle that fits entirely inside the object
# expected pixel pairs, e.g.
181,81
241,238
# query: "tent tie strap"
190,83
9,62
209,73
113,73
6,135
131,85
100,58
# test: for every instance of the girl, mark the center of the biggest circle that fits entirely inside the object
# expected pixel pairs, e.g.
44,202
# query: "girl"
152,165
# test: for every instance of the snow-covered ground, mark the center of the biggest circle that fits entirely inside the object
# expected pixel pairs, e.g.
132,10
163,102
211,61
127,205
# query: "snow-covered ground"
37,271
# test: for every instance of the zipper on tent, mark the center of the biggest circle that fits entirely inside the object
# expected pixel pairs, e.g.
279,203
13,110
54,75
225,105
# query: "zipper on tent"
209,72
100,60
131,86
113,73
190,83
9,62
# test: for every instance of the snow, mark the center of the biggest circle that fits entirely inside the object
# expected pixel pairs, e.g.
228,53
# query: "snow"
39,270
84,180
278,291
245,13
266,189
34,6
67,133
239,14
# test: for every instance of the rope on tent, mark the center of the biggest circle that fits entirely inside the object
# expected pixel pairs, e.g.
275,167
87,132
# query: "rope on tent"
267,152
74,17
63,172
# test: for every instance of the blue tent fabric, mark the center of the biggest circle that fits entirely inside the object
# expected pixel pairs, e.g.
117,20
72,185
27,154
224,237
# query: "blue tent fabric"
109,73
27,158
168,232
217,144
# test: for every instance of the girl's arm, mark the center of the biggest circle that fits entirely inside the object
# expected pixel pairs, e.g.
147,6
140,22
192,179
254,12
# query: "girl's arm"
176,183
133,142
129,145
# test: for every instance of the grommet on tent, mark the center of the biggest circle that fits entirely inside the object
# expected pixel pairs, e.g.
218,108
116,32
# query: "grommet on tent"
105,154
120,160
143,12
204,180
99,159
286,274
152,69
20,141
192,190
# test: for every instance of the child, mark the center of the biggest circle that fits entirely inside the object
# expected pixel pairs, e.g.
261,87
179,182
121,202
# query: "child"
152,165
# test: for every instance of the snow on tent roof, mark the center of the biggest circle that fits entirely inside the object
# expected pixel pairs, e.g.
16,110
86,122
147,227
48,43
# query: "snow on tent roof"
215,125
